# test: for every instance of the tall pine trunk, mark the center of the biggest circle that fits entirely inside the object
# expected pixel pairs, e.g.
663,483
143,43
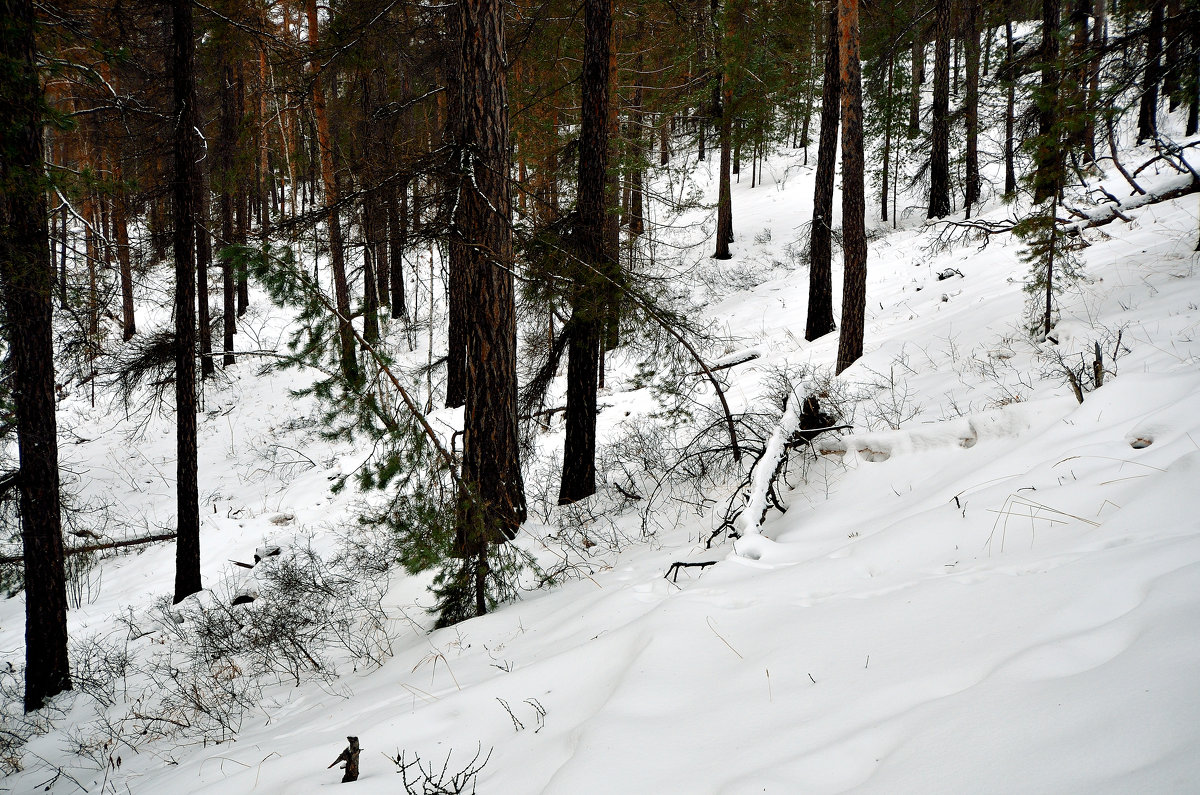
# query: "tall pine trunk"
854,237
1047,177
337,263
594,268
820,241
492,504
186,120
1148,109
939,161
971,105
27,282
724,94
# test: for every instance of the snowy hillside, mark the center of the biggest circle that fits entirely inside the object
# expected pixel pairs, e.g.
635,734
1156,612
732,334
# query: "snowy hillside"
984,586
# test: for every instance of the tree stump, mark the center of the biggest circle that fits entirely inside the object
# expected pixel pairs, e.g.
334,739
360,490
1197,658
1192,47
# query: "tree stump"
349,755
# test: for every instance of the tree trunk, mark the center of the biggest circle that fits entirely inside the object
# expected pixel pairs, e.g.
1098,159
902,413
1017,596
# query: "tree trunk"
120,220
939,161
854,238
1174,54
27,282
397,211
492,503
1099,20
458,299
341,287
203,259
186,178
225,150
887,142
725,106
1148,109
1010,111
971,105
591,289
820,241
918,77
1047,178
370,296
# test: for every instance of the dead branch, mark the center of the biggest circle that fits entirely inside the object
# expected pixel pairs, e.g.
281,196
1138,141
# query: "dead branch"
128,542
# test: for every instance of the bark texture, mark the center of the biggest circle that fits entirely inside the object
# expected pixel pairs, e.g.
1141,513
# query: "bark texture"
854,237
493,505
820,241
939,160
594,271
27,281
187,174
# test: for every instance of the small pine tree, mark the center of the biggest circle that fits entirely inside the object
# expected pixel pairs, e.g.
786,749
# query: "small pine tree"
1053,264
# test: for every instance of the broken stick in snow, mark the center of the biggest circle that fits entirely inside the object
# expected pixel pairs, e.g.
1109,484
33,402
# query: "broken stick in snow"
349,755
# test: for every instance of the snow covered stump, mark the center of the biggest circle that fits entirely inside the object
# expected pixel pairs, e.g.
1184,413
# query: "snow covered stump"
349,755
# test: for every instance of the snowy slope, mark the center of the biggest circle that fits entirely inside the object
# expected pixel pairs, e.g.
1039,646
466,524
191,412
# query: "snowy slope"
984,587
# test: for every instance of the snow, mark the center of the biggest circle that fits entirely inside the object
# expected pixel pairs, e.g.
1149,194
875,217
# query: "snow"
984,587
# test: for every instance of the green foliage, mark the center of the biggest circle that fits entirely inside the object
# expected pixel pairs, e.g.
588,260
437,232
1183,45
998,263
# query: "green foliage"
1054,265
426,510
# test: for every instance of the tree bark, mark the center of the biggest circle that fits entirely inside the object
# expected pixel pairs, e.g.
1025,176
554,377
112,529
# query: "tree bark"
854,238
591,291
820,241
227,144
397,213
203,259
186,177
971,105
1047,178
27,282
341,287
492,501
939,162
1148,109
1010,111
725,107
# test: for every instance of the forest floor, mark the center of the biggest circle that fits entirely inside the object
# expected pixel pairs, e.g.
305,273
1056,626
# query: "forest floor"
985,586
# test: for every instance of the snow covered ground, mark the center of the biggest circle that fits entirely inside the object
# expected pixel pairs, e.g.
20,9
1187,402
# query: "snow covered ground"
984,587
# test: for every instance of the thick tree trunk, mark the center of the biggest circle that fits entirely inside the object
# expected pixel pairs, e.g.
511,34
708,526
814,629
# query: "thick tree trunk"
27,282
854,238
493,497
939,159
458,300
820,241
594,269
724,195
186,121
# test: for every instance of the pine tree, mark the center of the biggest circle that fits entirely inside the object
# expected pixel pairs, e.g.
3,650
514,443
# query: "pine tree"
939,163
186,177
854,239
820,241
27,283
593,272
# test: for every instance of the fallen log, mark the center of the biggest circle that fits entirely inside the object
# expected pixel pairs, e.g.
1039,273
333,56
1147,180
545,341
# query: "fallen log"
127,542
